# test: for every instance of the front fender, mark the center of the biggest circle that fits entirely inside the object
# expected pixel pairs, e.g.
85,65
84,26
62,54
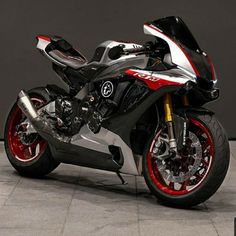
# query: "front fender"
200,110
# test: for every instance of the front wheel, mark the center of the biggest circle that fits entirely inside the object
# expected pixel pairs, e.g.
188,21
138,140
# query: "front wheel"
195,176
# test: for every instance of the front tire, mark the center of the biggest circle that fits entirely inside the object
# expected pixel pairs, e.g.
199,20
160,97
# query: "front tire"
32,159
214,148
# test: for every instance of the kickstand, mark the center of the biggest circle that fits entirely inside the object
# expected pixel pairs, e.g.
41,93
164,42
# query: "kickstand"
121,178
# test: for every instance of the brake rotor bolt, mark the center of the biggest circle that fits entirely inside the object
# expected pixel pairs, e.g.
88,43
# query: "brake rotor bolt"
157,144
155,150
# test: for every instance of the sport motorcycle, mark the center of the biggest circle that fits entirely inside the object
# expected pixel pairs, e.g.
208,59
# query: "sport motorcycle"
133,109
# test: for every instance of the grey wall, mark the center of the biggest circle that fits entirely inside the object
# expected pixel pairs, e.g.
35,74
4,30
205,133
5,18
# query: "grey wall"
87,23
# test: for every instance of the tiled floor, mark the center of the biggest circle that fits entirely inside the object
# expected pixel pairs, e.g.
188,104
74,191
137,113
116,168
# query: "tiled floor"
81,201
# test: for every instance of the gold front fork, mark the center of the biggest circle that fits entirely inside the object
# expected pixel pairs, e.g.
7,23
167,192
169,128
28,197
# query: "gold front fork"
169,121
168,108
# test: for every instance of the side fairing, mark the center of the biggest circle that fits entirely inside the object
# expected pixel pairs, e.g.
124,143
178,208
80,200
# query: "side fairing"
158,79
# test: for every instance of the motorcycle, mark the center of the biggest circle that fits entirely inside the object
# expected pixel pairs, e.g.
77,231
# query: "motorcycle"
132,109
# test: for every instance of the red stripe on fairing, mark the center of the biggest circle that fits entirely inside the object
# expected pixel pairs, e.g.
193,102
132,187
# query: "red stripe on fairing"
185,53
44,38
213,72
147,79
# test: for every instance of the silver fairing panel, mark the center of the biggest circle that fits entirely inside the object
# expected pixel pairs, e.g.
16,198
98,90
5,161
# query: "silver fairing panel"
100,142
110,44
124,61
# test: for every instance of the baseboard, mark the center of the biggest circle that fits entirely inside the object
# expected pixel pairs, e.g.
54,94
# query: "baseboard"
230,139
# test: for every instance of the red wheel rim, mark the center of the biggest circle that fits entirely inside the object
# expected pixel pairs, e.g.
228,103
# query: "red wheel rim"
206,163
23,152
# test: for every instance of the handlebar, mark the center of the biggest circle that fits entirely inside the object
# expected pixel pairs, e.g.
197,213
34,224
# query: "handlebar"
117,51
135,50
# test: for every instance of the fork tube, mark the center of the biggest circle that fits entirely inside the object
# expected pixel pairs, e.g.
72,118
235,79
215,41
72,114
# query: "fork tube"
185,100
168,108
169,121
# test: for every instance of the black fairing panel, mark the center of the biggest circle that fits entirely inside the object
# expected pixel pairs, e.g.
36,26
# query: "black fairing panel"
78,78
202,64
123,123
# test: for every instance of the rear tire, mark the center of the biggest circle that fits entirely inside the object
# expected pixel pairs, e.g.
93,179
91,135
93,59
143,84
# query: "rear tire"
210,182
32,166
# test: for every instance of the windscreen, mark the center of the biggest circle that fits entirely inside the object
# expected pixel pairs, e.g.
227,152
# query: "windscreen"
176,29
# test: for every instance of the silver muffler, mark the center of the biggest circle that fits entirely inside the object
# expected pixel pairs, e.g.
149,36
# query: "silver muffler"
41,125
24,103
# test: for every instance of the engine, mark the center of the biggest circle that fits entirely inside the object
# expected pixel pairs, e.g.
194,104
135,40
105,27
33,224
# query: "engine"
66,112
72,113
105,99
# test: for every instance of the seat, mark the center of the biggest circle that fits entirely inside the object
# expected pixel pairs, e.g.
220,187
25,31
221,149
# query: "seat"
63,52
74,62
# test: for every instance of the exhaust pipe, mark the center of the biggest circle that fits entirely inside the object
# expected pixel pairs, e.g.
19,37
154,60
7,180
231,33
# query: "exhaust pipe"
60,144
24,103
42,126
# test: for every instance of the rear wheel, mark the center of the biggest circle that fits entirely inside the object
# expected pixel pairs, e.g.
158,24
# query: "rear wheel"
200,170
27,151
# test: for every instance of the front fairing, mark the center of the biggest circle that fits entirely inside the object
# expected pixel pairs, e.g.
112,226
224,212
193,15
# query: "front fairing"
185,51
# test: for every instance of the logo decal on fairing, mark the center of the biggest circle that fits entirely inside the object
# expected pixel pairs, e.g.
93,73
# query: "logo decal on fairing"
156,80
145,76
107,89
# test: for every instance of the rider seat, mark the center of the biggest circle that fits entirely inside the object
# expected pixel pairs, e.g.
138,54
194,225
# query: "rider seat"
64,53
